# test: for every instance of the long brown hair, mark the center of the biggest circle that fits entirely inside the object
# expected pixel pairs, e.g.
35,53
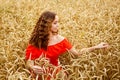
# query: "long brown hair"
40,34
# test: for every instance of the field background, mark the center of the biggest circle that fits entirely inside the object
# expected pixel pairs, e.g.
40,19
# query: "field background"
84,22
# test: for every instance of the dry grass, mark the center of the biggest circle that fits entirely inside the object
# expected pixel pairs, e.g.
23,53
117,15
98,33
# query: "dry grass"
84,22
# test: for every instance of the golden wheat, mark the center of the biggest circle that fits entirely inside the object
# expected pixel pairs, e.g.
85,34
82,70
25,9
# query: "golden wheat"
84,22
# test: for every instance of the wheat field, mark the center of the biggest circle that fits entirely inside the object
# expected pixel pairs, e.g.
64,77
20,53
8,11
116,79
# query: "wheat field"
84,22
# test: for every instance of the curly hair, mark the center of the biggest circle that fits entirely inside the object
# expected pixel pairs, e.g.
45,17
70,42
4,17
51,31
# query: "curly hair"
40,34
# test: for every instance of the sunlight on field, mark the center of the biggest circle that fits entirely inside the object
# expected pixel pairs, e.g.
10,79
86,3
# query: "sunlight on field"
84,22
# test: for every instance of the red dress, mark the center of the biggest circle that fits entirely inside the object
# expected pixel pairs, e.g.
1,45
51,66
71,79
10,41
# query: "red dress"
53,51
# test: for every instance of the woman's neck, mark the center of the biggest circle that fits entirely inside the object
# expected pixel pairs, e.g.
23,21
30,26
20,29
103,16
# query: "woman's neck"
52,36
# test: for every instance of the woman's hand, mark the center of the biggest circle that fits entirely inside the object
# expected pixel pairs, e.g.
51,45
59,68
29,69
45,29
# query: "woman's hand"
38,69
101,45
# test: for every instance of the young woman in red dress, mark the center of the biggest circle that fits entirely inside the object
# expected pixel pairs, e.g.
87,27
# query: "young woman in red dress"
46,40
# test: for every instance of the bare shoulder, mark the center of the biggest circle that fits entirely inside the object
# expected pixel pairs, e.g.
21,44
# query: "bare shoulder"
60,38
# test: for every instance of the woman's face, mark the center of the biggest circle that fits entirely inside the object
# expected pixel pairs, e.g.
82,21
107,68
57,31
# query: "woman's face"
54,28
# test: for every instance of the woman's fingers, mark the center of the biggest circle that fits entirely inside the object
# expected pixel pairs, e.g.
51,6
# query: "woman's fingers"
103,45
37,69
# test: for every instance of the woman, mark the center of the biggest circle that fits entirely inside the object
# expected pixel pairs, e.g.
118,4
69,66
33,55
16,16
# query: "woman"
46,40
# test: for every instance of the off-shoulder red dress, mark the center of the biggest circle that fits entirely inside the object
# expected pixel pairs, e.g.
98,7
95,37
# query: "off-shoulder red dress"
52,52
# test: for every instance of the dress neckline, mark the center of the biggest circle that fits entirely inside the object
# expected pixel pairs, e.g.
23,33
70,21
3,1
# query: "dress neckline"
56,43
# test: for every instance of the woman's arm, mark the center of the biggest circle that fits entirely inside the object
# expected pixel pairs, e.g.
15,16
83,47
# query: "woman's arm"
102,45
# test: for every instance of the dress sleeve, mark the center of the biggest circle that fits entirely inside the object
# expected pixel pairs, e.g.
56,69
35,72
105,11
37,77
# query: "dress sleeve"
67,45
32,53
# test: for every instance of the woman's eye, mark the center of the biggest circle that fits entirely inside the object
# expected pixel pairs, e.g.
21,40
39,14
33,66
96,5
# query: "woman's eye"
55,23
